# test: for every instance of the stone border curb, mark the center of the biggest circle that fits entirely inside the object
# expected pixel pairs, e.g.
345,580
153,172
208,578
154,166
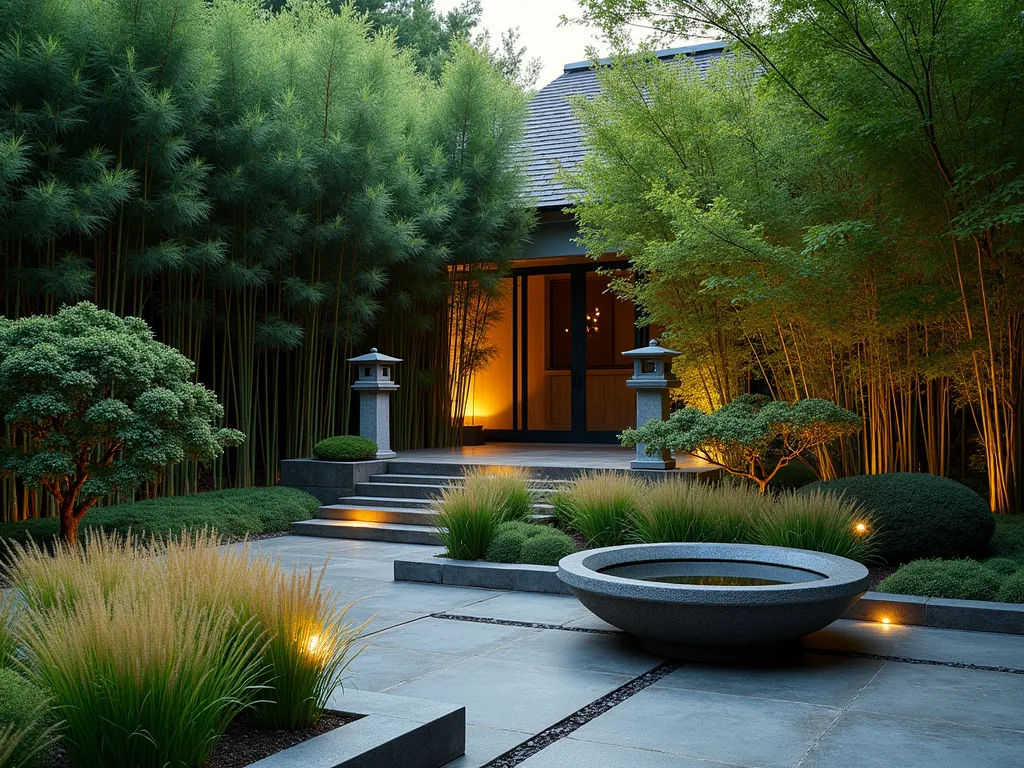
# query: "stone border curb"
392,732
938,613
474,573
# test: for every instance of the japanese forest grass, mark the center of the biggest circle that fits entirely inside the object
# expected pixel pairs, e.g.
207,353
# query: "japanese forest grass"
173,640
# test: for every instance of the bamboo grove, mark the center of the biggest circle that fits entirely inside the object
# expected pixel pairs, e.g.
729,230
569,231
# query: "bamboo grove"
273,192
835,210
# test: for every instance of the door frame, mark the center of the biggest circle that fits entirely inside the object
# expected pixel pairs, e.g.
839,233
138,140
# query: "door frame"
578,367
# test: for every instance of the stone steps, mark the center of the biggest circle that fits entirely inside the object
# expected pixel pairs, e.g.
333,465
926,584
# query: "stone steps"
368,531
397,507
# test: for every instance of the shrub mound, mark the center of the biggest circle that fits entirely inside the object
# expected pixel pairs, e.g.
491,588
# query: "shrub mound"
918,515
529,543
233,513
1012,590
1002,565
345,448
954,579
24,726
547,549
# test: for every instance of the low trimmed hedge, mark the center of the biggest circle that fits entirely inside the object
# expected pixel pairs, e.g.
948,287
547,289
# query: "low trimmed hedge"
1012,590
345,448
23,710
917,515
954,579
233,513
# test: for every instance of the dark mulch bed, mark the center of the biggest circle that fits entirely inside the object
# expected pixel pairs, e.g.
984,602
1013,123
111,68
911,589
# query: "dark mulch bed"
245,742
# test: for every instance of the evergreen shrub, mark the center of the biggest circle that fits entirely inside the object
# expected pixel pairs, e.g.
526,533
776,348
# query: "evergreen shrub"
1003,565
953,579
918,515
547,549
345,448
1012,590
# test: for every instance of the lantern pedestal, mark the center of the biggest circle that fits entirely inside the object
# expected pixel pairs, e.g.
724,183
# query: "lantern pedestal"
374,384
652,380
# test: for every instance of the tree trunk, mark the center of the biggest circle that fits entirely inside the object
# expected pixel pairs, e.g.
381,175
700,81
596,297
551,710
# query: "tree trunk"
69,525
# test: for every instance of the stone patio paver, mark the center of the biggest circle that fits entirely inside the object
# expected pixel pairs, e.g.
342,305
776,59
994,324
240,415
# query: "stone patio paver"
961,696
833,681
822,711
872,740
572,753
512,695
982,648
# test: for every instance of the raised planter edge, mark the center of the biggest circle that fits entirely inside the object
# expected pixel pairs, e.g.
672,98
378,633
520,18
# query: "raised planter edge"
392,732
913,610
328,481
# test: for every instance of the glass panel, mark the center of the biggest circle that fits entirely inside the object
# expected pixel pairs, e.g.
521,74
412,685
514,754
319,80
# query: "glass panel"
547,388
490,392
611,326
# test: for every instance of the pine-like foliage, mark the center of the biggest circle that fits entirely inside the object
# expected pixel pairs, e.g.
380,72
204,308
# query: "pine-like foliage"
271,191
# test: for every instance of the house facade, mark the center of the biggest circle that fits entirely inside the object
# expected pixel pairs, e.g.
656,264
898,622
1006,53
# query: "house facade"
560,374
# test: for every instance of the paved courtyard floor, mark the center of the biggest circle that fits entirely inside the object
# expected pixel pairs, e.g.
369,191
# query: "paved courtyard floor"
540,675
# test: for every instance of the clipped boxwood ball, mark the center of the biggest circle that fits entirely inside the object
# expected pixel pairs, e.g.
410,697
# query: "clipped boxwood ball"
345,448
547,549
506,546
918,515
953,579
1012,590
22,705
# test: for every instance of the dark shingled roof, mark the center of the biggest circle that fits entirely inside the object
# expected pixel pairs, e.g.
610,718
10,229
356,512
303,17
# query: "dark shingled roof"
553,135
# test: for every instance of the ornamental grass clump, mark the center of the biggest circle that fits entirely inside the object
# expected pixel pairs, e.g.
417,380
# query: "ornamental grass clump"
690,510
816,521
46,580
599,506
467,519
148,651
511,486
309,644
142,678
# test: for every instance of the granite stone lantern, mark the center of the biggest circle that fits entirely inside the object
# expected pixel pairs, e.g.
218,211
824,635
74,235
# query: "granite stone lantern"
375,383
652,380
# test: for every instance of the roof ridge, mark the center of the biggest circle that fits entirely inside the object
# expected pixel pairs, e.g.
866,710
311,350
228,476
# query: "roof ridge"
665,53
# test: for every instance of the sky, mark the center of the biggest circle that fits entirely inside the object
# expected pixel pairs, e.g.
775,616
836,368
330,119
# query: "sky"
540,32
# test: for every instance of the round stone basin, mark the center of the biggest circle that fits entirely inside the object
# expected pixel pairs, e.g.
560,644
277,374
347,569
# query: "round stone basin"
680,597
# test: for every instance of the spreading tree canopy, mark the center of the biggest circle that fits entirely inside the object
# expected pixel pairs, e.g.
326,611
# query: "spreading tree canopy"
98,406
752,437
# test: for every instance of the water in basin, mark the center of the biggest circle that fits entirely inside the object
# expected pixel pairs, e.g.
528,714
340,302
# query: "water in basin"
712,573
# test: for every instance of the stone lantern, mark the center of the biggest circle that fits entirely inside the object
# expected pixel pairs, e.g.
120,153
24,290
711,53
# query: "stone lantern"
652,380
375,383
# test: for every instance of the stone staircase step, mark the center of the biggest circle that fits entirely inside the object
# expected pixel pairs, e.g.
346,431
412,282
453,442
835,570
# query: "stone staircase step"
383,490
448,469
375,502
378,514
355,529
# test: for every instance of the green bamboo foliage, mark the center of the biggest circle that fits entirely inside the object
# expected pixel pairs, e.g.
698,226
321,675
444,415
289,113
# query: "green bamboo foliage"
272,192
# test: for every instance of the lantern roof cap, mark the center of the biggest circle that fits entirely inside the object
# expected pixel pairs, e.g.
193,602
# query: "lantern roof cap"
652,350
375,357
